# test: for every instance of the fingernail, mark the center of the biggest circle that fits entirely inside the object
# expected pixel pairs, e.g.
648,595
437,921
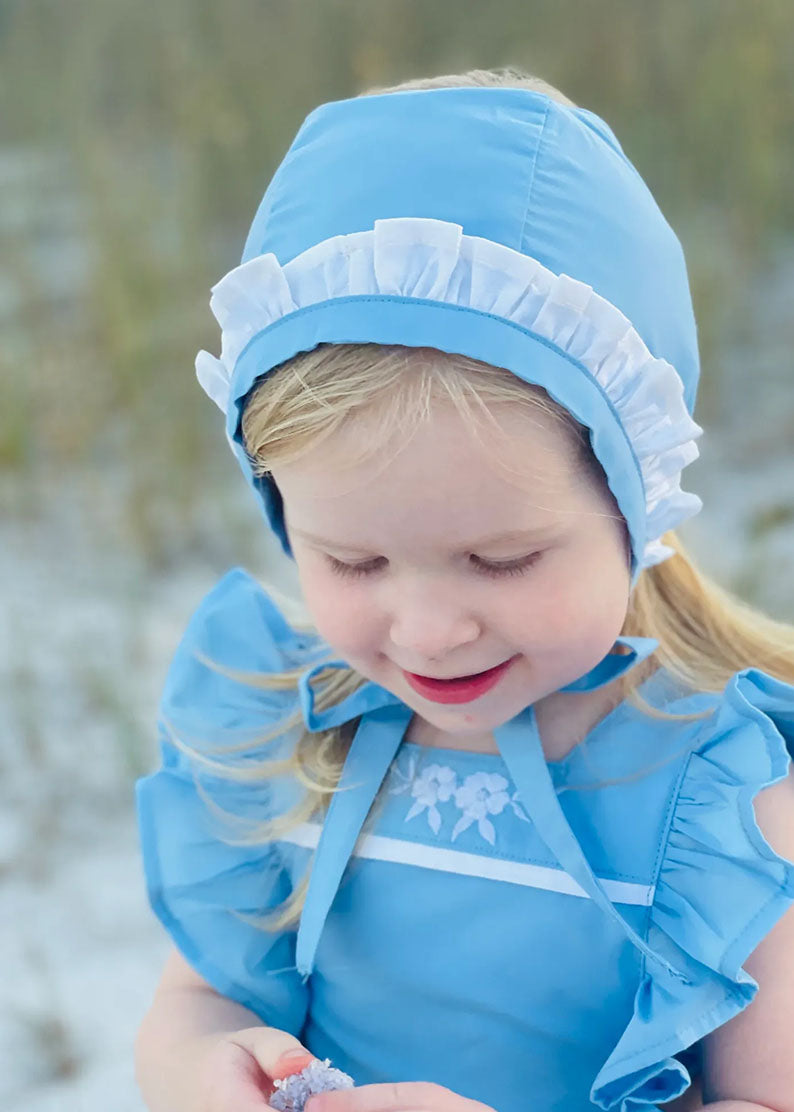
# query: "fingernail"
290,1055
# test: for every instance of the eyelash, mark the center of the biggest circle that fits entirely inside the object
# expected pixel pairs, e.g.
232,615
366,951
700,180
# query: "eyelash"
492,571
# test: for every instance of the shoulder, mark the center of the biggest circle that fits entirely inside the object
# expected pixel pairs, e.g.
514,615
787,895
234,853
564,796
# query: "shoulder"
747,726
727,876
774,814
749,733
723,894
736,793
237,616
749,1055
209,851
755,701
217,679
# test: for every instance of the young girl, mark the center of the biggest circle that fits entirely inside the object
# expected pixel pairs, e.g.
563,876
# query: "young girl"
509,824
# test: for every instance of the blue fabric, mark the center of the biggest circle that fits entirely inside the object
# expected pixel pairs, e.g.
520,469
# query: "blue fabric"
508,165
615,664
198,884
721,888
369,759
415,969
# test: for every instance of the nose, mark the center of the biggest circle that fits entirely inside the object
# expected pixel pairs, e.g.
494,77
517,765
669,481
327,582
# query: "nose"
428,626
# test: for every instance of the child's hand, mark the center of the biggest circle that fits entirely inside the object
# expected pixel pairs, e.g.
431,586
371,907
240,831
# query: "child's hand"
404,1096
238,1069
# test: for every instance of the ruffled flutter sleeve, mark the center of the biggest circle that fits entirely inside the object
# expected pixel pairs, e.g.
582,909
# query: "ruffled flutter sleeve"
203,890
720,888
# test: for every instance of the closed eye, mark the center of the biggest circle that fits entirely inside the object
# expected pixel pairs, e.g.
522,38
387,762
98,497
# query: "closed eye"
484,567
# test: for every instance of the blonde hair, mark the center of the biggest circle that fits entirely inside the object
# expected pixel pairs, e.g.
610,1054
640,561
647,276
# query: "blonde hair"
705,634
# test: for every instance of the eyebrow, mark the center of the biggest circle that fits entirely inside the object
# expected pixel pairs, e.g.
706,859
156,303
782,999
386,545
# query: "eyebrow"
541,533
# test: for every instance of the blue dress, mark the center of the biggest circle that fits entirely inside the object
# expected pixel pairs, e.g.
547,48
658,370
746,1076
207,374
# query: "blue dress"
514,929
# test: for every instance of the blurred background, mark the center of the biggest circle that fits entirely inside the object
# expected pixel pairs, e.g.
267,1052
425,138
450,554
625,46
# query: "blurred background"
136,140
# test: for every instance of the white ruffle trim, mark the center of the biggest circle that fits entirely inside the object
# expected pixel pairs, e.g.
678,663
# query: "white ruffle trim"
434,260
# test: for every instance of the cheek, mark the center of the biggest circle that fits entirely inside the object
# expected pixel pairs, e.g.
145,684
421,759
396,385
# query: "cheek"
603,603
336,608
584,598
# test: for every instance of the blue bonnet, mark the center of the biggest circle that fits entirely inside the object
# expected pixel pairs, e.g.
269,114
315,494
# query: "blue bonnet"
490,222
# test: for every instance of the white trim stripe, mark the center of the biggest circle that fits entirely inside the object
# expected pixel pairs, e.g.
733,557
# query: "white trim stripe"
376,847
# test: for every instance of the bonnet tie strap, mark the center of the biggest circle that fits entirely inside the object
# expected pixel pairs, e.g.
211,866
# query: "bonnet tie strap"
383,723
370,696
520,745
371,753
615,664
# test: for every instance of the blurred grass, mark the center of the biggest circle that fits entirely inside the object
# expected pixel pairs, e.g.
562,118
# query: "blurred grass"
164,121
768,518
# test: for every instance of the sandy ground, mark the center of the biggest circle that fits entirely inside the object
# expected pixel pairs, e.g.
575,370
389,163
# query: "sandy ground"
90,636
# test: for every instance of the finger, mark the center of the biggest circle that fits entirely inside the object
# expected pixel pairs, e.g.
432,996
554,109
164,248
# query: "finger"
292,1062
401,1096
237,1084
277,1053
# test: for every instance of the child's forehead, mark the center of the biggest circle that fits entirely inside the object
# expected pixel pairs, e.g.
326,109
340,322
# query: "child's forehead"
507,445
424,501
440,483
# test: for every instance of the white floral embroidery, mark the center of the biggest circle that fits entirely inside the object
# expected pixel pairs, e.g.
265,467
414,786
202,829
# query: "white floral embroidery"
435,784
406,778
519,810
481,794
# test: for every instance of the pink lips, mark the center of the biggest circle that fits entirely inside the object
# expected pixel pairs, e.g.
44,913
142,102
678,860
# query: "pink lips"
460,690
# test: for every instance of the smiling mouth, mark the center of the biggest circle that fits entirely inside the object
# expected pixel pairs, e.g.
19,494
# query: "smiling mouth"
459,679
459,689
